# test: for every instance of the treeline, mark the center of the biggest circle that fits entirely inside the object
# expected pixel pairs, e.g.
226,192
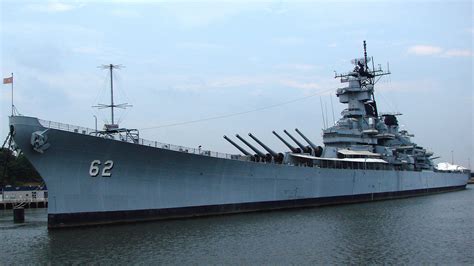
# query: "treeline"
16,170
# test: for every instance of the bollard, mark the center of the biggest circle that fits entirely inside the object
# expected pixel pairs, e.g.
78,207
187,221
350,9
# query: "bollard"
19,215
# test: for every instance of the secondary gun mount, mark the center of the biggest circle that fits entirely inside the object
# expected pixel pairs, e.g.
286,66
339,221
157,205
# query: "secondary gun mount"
291,147
278,157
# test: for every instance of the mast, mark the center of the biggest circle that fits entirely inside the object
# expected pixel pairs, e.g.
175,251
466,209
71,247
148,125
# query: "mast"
112,91
112,126
13,106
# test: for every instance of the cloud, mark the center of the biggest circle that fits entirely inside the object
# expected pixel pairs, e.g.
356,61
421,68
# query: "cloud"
77,86
289,41
428,50
49,30
54,6
86,50
425,50
125,13
198,84
277,8
200,46
297,67
62,39
418,85
199,14
302,82
458,53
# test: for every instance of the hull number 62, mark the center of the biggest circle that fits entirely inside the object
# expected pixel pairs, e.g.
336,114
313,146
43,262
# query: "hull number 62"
94,170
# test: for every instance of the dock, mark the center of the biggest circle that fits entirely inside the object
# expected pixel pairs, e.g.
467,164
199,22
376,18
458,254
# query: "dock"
28,204
23,196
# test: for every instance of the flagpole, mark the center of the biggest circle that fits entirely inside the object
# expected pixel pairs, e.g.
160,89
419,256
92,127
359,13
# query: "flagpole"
12,94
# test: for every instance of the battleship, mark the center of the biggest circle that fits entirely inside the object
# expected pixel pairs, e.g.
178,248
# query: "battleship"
109,176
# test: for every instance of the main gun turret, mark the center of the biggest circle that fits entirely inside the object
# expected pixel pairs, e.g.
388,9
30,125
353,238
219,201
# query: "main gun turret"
291,147
278,157
237,146
317,150
259,154
305,149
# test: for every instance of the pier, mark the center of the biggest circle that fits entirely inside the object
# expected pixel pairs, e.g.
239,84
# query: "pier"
23,197
28,204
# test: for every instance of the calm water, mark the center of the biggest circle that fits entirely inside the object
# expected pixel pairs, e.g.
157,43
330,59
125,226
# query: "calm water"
431,229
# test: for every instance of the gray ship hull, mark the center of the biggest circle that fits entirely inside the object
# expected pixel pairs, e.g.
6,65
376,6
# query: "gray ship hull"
149,183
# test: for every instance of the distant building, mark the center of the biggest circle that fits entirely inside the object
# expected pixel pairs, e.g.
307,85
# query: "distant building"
24,193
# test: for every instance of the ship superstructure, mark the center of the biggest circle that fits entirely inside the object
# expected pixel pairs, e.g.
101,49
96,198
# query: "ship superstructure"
113,176
362,133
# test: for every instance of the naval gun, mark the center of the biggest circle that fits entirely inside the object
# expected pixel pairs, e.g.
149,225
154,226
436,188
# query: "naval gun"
258,154
277,157
317,150
305,149
237,146
291,147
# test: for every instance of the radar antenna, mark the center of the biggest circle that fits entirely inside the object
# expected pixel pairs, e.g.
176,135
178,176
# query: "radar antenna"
112,125
362,69
365,56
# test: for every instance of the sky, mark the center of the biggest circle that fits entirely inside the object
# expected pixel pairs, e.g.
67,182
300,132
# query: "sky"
192,60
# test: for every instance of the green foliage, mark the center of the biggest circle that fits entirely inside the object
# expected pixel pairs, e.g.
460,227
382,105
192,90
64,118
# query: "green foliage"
15,169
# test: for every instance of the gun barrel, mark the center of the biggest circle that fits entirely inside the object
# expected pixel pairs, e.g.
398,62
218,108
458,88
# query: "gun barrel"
237,146
307,140
261,154
293,149
274,154
302,147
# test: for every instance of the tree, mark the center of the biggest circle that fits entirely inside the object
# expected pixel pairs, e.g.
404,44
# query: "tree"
15,169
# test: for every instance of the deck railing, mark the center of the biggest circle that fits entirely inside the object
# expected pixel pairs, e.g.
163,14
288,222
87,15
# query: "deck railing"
144,142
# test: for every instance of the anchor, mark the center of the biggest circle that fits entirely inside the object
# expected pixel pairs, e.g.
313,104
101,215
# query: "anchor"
39,141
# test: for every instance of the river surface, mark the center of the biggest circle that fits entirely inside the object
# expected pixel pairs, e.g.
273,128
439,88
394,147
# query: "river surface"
431,229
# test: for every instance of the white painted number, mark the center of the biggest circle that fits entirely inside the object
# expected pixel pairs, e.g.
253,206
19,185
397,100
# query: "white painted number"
108,165
94,170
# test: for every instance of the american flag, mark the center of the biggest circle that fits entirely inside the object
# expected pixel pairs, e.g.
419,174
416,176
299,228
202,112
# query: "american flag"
8,80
